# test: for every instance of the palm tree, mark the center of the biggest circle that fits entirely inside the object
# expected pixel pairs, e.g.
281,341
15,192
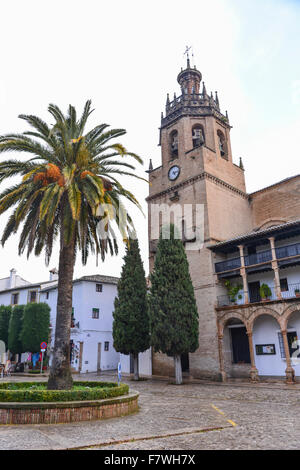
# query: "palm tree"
69,189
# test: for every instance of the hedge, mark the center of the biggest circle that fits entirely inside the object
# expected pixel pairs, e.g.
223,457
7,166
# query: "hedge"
24,393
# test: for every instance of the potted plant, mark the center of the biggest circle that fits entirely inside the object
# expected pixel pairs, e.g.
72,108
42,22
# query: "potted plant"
297,292
265,292
233,292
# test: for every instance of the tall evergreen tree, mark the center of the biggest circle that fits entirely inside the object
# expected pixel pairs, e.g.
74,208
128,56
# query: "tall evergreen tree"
15,328
5,313
36,325
131,315
173,309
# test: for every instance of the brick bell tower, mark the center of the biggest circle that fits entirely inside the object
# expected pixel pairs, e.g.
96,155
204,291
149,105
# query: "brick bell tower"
197,168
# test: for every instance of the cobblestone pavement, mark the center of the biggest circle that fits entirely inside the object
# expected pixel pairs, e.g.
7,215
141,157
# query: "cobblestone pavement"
191,416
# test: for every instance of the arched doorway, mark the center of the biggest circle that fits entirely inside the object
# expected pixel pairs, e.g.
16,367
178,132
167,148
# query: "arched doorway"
268,346
236,351
293,337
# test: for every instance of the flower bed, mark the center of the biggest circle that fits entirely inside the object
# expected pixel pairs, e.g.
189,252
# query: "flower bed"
81,391
32,403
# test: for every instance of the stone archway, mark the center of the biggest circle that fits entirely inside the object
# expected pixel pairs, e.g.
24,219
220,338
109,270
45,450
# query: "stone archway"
234,351
292,323
268,344
264,311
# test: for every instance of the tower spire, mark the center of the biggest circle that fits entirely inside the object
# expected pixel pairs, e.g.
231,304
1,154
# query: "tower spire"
186,52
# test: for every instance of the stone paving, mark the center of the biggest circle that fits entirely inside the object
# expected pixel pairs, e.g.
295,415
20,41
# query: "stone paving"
188,417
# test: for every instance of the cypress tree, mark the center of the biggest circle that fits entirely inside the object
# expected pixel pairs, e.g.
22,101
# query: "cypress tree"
5,313
131,314
173,309
36,325
15,328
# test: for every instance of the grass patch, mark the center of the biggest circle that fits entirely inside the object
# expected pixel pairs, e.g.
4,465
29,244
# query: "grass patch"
81,391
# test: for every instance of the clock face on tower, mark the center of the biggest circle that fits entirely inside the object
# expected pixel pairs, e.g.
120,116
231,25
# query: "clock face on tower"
174,173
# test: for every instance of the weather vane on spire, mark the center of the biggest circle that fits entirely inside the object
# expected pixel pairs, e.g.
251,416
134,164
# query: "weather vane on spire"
187,53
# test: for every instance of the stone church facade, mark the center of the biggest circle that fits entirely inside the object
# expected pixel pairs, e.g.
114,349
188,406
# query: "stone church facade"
249,241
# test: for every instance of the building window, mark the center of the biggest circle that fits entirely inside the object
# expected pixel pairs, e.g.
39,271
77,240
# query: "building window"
292,342
197,136
98,287
106,346
95,313
15,298
32,296
284,285
47,295
174,144
222,145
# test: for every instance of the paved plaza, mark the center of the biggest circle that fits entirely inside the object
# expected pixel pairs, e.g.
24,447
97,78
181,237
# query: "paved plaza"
193,416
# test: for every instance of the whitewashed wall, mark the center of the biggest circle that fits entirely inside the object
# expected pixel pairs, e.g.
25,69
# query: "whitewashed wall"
91,331
145,363
266,331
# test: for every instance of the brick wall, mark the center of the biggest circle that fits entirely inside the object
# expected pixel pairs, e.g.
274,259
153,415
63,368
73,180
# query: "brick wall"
40,414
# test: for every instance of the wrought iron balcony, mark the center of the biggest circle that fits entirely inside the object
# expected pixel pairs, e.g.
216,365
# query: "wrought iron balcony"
293,292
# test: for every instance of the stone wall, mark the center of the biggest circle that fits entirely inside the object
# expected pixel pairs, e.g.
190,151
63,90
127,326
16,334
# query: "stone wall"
277,204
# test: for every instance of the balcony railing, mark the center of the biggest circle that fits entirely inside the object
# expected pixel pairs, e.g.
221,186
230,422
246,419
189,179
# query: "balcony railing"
228,265
287,251
257,258
226,300
293,292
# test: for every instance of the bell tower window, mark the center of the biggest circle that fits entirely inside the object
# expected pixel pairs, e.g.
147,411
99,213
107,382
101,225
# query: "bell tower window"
174,144
222,145
198,136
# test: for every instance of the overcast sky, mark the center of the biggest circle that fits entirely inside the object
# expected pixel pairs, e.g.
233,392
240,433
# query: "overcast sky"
125,56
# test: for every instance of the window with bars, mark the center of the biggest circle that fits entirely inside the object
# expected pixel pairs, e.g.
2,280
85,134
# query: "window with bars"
106,346
99,287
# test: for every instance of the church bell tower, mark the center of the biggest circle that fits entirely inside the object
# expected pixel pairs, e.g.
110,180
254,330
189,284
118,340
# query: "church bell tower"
197,169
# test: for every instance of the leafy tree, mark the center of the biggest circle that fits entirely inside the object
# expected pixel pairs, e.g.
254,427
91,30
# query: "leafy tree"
5,313
15,328
173,310
131,316
36,326
68,191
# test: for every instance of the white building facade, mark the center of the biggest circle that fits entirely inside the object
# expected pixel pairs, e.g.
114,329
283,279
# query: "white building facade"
91,323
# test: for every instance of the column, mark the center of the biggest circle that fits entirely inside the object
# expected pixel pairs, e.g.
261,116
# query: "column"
275,269
243,274
253,370
289,371
221,358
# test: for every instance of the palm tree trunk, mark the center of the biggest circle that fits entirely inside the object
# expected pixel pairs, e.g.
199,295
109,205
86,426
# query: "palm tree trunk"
136,366
60,372
178,370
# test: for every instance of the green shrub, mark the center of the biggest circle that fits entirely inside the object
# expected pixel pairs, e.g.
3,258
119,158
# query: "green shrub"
82,391
36,324
265,291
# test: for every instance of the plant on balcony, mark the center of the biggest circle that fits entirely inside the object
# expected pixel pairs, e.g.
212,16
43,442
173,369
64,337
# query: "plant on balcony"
265,292
297,292
233,292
